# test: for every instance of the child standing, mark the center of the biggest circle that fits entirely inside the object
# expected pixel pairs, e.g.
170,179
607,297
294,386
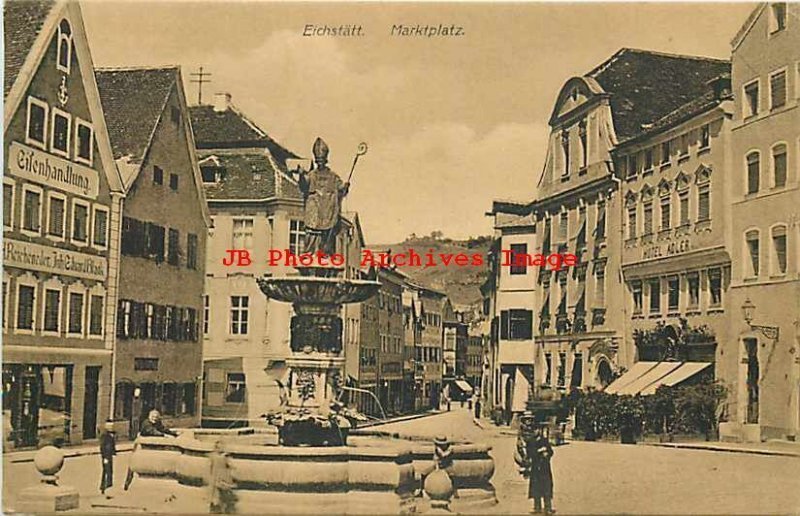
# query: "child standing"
108,448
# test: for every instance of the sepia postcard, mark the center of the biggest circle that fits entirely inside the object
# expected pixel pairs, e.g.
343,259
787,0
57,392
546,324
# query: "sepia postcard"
278,257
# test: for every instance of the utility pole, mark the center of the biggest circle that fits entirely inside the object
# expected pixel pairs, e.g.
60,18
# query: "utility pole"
200,80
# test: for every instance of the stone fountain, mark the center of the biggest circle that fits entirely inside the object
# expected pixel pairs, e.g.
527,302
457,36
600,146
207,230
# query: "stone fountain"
314,465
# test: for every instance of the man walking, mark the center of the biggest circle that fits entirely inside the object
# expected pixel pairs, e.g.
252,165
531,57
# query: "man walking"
108,448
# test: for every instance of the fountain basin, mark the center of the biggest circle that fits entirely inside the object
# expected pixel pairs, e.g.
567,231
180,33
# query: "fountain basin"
318,291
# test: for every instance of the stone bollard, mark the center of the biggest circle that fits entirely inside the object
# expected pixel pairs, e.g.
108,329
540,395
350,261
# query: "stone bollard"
48,496
438,485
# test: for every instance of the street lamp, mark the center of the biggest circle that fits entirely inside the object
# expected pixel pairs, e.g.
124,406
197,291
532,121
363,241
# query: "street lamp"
748,309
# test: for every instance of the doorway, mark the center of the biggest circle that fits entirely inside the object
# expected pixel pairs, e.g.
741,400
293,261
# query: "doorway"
91,392
751,348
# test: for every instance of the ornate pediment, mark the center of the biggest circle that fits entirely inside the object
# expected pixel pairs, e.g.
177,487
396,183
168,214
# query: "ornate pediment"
647,192
664,187
575,92
630,198
702,175
682,181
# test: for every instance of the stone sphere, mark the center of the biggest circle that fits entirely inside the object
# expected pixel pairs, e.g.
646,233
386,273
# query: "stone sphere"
438,485
49,460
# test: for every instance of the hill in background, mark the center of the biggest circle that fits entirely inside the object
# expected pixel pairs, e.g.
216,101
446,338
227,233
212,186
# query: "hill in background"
462,284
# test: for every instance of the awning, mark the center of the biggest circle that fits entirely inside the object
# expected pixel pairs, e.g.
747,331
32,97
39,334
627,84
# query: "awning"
645,377
464,386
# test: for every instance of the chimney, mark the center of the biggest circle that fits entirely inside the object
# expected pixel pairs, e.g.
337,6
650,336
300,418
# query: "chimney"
222,101
721,86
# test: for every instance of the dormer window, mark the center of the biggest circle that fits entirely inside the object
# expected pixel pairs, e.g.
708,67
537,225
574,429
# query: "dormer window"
777,18
64,46
565,149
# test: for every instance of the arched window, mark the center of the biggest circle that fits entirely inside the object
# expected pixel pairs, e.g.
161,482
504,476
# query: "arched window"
779,248
779,165
752,248
64,46
753,172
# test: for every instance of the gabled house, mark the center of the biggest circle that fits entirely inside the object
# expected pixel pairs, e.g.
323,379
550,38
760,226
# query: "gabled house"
165,222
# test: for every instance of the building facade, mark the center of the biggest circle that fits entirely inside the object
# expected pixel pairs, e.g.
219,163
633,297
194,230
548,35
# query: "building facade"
62,197
391,340
158,356
429,355
761,363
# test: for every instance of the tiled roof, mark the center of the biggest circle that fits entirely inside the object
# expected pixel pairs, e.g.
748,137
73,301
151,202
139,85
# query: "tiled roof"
22,22
692,108
133,100
230,128
250,175
645,86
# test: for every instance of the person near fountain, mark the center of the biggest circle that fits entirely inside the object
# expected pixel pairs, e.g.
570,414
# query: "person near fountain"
323,192
532,455
108,448
151,427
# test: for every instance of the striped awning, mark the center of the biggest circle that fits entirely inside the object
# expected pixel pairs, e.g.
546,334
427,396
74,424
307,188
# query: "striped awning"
645,377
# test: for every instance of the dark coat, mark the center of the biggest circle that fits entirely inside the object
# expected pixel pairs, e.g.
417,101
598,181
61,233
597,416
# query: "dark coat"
533,456
108,445
156,429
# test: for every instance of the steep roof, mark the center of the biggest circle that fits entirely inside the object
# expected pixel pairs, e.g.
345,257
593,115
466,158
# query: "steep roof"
22,22
246,175
645,86
133,100
230,128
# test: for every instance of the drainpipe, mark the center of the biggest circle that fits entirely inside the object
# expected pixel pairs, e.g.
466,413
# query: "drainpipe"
621,219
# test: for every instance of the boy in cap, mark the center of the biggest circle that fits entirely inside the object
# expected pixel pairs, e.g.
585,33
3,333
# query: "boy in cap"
532,455
108,448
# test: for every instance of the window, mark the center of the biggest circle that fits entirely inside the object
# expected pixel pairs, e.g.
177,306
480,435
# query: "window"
562,369
296,236
753,172
577,371
8,205
683,150
563,226
693,287
168,398
655,296
173,182
752,244
59,139
174,249
36,132
84,148
80,221
715,287
705,136
673,293
779,165
26,299
777,90
565,150
666,152
751,99
683,199
648,159
600,227
518,252
75,325
56,211
155,239
633,165
191,251
209,174
778,250
703,203
206,313
158,176
632,222
32,209
242,233
584,144
188,399
145,364
235,388
52,310
239,314
546,236
600,288
516,324
100,231
64,46
648,218
666,213
777,18
96,315
548,360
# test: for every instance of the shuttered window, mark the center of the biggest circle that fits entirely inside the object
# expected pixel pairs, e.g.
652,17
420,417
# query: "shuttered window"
752,241
779,165
666,213
703,203
648,218
777,90
753,172
100,237
516,324
779,249
75,313
55,216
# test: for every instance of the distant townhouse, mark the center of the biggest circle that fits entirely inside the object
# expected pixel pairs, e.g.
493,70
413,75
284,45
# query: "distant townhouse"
62,198
391,335
256,206
158,357
761,361
413,371
433,309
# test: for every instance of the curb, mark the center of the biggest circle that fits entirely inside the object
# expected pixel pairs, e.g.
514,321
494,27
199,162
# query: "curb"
711,447
27,455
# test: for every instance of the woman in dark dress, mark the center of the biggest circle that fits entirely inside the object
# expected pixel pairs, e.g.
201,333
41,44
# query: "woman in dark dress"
533,456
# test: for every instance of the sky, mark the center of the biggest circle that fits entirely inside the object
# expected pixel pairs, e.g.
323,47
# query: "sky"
451,122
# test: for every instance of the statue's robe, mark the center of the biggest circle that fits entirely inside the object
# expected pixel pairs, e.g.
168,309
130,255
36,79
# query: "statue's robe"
323,191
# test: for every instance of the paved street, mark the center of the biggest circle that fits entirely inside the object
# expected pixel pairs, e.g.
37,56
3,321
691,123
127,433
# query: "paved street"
590,478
